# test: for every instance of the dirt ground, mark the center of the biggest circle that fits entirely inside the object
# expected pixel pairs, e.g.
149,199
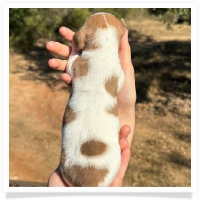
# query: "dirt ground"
162,142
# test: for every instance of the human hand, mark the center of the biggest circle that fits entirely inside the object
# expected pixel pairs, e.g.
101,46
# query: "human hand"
126,97
56,180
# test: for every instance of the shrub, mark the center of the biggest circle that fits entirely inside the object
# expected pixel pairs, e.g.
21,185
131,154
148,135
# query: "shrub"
172,15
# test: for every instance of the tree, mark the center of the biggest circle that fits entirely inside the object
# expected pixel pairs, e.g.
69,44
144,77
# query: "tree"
172,15
27,25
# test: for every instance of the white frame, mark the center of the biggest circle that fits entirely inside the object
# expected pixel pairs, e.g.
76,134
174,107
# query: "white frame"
85,4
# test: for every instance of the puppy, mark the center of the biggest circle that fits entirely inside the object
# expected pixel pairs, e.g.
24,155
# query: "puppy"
91,155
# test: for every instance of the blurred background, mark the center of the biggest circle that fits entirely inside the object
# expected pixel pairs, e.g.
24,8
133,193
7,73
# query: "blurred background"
160,42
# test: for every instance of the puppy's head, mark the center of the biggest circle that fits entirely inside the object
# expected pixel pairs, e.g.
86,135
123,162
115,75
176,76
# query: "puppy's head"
83,39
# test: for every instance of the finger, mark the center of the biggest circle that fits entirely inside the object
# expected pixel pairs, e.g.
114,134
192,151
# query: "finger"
126,153
55,180
67,79
124,164
66,33
58,49
124,132
123,144
125,156
57,64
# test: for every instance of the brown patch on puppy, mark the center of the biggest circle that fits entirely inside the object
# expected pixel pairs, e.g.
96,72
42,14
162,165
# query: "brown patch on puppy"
96,21
113,21
79,39
93,148
80,67
84,38
69,115
84,176
91,45
113,110
111,85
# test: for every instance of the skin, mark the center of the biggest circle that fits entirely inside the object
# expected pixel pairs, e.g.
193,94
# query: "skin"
126,100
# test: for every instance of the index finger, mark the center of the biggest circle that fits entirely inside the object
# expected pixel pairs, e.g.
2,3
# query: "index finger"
58,48
66,33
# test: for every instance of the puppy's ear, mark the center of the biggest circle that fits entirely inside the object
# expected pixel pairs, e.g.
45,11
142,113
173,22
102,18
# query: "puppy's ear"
80,39
123,22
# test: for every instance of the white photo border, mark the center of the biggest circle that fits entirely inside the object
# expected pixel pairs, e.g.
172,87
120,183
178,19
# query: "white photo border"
104,4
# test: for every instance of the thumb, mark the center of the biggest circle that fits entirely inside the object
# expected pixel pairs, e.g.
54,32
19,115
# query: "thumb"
125,51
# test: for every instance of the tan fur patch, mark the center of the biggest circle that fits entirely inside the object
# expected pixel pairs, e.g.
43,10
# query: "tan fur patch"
93,148
113,110
84,176
79,39
80,67
111,85
69,115
116,23
84,38
96,21
91,45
